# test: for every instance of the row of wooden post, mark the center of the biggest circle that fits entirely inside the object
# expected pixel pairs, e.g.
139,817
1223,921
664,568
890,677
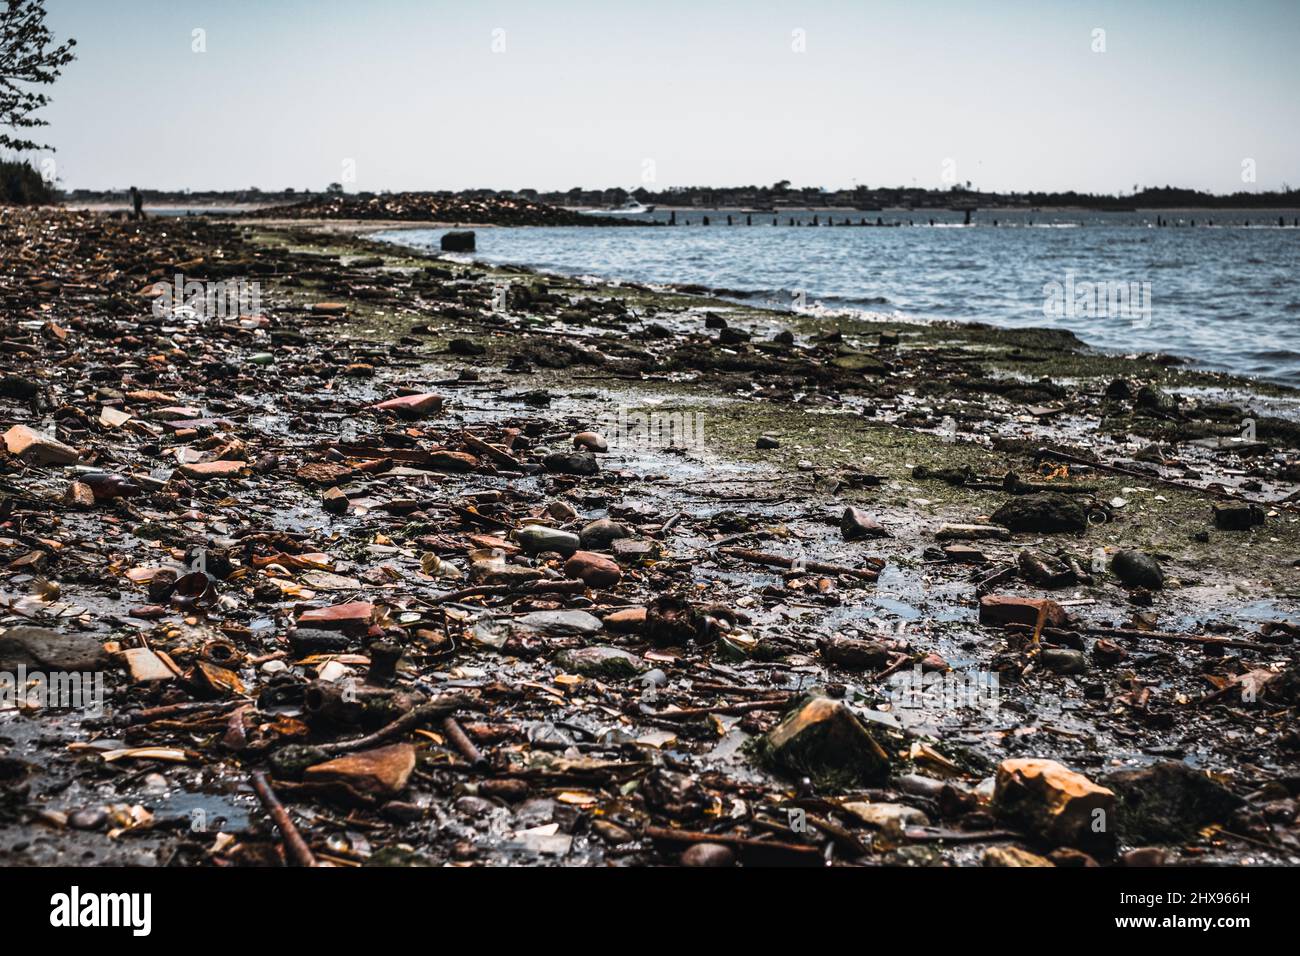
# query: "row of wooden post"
816,221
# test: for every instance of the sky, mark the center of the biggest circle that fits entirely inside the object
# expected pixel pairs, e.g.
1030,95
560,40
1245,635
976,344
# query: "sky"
552,94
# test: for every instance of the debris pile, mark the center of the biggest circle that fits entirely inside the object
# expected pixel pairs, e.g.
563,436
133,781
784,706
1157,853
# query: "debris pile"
380,573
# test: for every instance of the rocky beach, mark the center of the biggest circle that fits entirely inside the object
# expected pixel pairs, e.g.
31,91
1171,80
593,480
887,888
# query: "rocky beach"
428,562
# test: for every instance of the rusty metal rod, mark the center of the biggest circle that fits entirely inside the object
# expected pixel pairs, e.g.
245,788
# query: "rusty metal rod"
456,734
294,845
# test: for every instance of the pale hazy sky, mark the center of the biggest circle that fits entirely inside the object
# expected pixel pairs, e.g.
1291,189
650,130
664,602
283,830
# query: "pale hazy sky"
709,92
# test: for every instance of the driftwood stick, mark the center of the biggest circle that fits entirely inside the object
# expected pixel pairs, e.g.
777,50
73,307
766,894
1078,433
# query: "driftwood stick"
743,707
294,845
150,714
778,561
1166,637
438,707
1177,638
484,450
662,835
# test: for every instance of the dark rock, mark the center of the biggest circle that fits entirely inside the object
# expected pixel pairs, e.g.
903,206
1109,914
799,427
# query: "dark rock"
537,538
601,533
1061,660
1044,512
572,463
1167,802
311,640
1238,517
999,610
335,501
854,654
1119,390
12,386
822,738
1138,570
673,621
465,347
457,241
1153,399
856,524
632,551
400,811
1038,568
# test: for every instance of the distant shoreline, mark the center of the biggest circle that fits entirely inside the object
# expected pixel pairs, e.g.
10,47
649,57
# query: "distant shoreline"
162,203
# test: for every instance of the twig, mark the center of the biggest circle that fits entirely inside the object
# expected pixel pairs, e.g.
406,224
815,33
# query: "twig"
777,561
1175,638
294,845
439,707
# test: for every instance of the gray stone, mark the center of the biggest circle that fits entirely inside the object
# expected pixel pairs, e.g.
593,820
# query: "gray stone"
607,662
561,622
601,533
1063,660
38,648
536,538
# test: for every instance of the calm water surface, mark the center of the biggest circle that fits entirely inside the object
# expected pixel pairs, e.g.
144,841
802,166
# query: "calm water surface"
1226,295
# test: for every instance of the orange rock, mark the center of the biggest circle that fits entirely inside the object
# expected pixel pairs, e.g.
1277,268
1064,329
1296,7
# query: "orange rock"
596,570
383,771
493,542
37,449
1013,856
150,395
1054,802
339,615
453,461
411,406
328,308
323,473
80,495
630,620
213,469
